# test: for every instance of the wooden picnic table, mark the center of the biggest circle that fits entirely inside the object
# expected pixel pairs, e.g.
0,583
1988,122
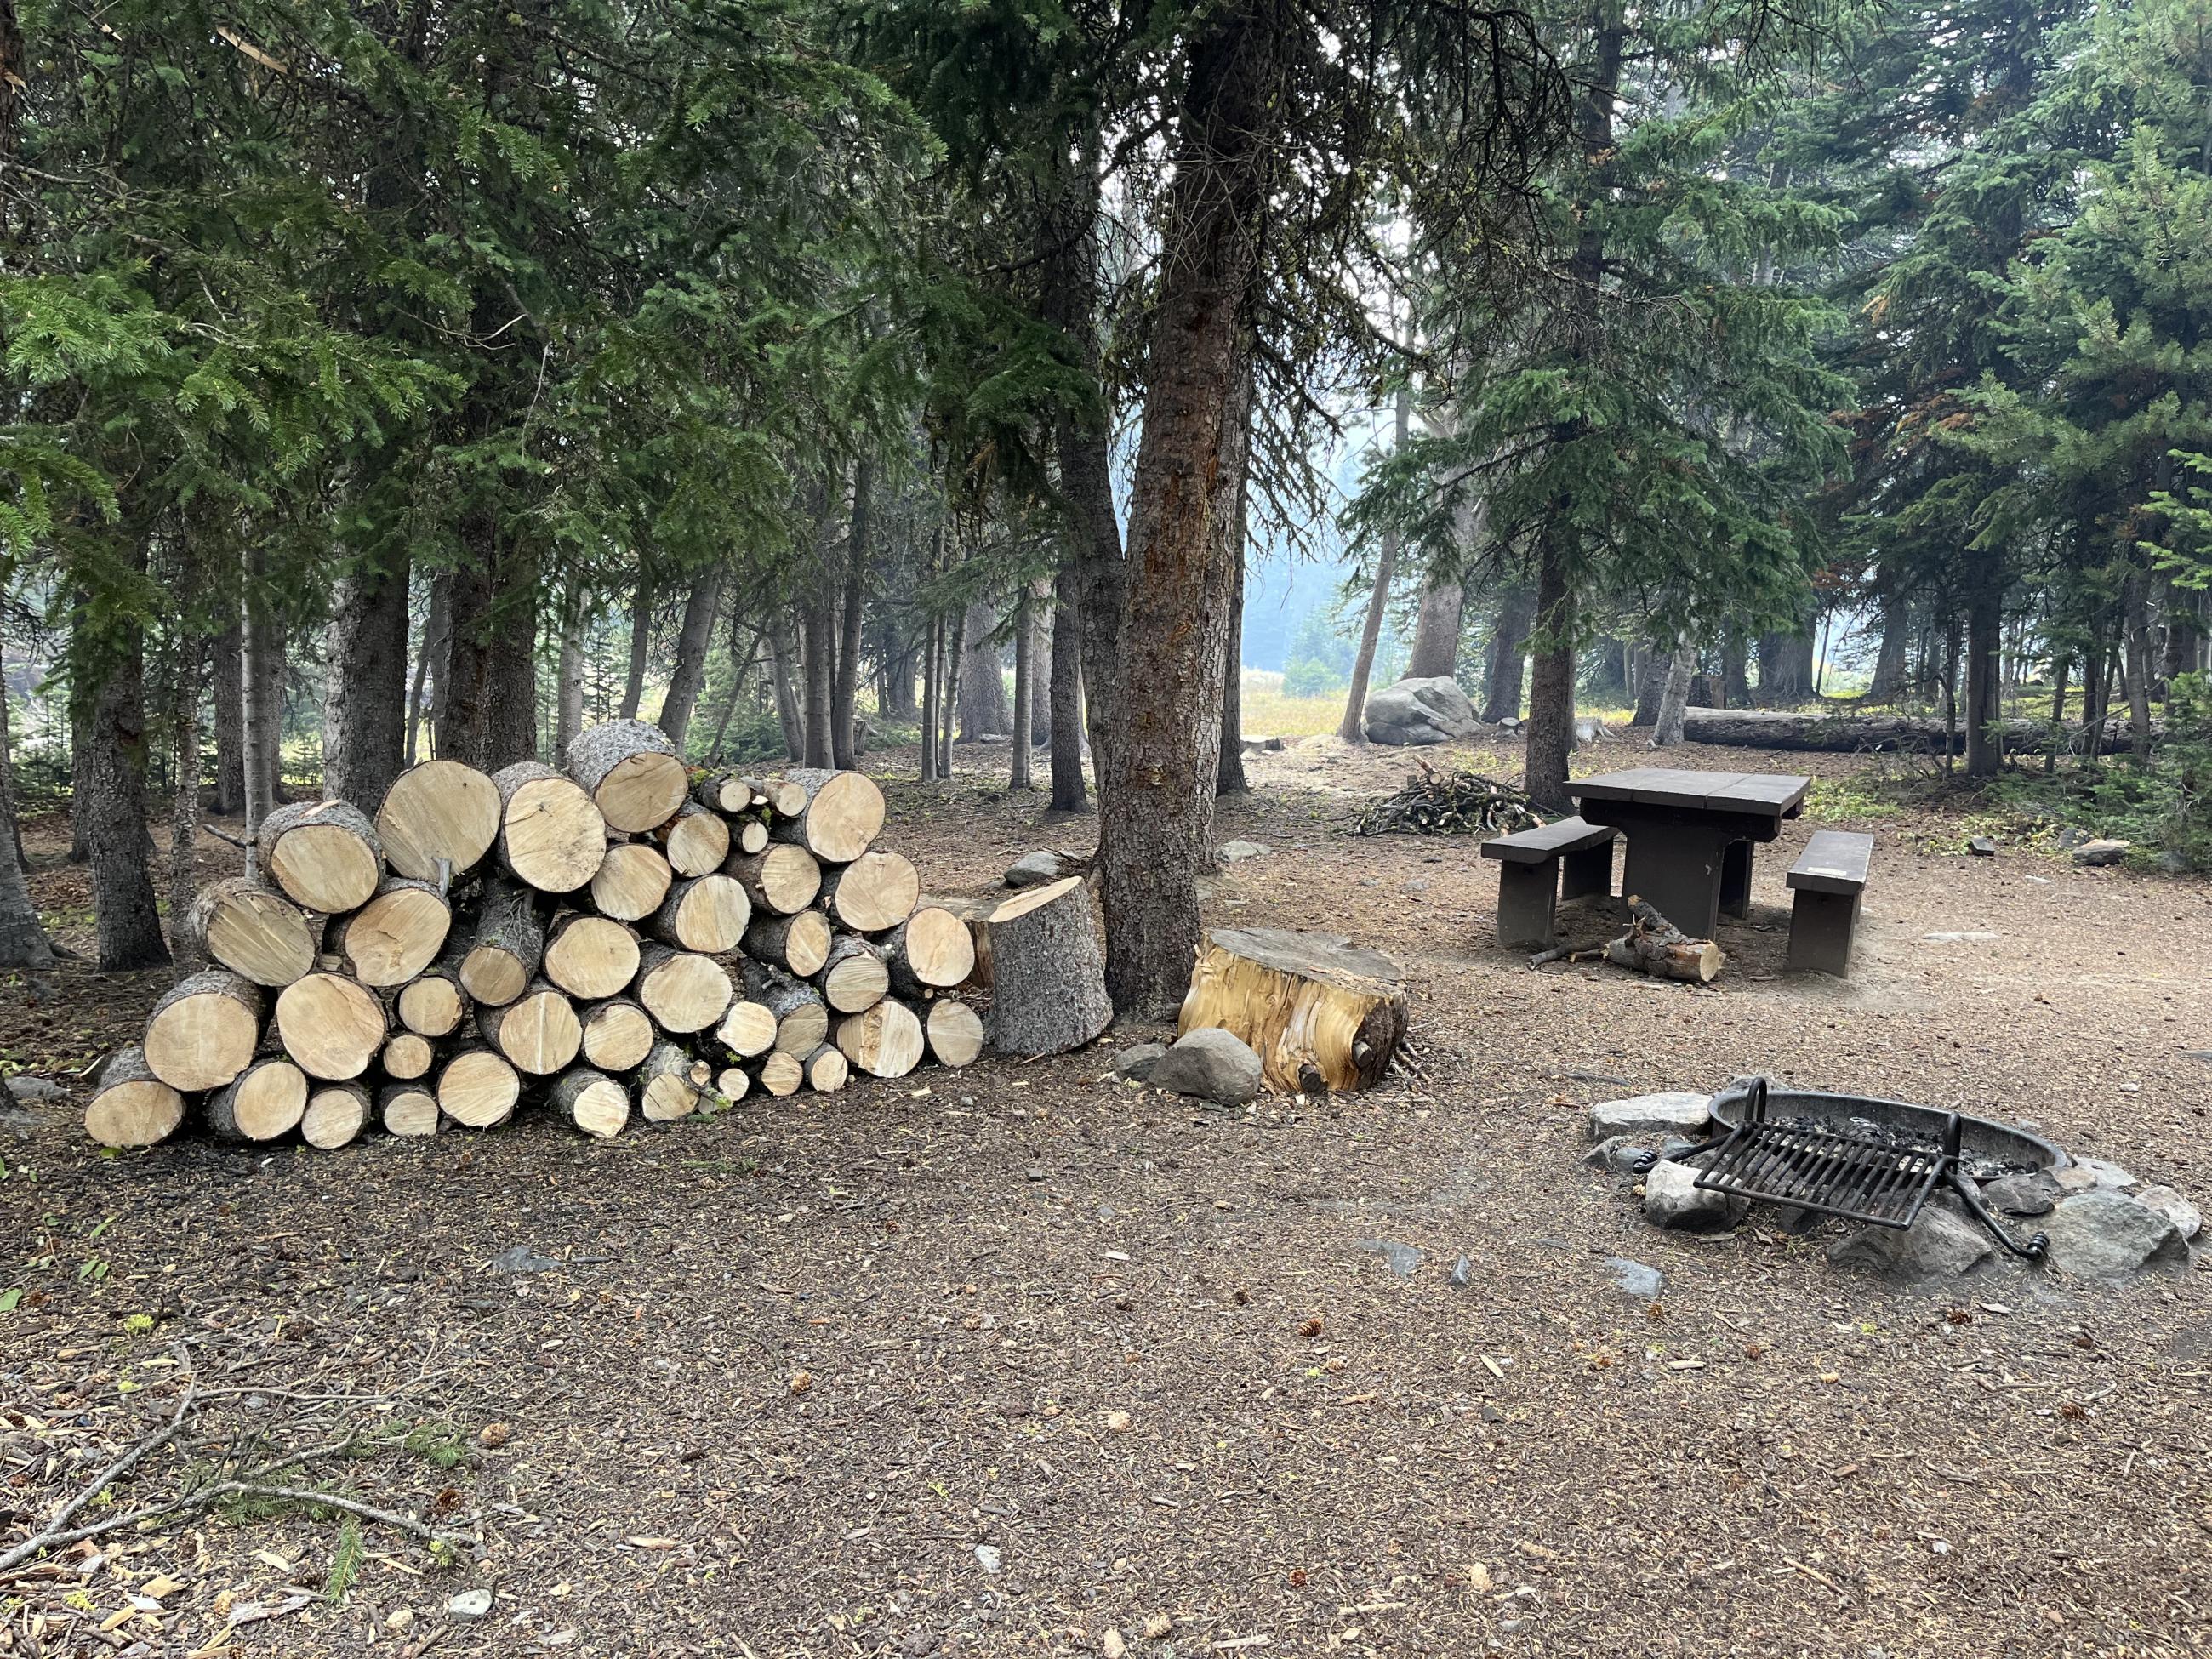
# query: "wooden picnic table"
1690,834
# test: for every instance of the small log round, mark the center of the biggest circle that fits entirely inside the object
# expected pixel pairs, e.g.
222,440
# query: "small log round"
781,881
618,1035
131,1107
252,930
631,772
732,1083
1049,977
875,891
332,1026
433,1004
782,1074
590,957
842,818
886,1040
798,944
322,853
508,946
336,1114
781,796
696,841
750,837
408,1055
538,1031
975,910
204,1030
681,990
478,1088
552,836
591,1102
632,881
266,1100
706,914
397,934
955,1032
669,1082
723,792
408,1110
442,810
854,976
749,1029
931,951
826,1069
802,1021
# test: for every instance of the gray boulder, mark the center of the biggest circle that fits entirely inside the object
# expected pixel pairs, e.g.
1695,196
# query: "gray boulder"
2169,1203
1672,1199
1136,1061
1035,869
1677,1112
1419,711
1236,852
1208,1063
34,1089
2100,853
1939,1244
2102,1235
2091,1175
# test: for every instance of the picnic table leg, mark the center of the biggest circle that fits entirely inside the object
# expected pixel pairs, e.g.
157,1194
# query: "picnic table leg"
1735,879
1821,928
1588,871
1528,900
1678,874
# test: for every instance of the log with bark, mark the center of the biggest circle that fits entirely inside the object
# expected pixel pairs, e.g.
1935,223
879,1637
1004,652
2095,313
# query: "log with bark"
873,893
748,1030
539,1032
683,991
264,1101
669,1082
798,944
802,1021
780,796
508,946
1655,946
1048,975
441,812
408,1110
931,951
826,1070
842,815
618,1035
590,957
398,934
885,1041
633,878
1850,734
781,881
204,1030
732,1083
252,930
853,976
696,841
334,1027
1322,1013
974,910
706,914
552,836
324,854
632,774
592,1101
782,1074
336,1115
408,1055
433,1003
955,1031
478,1087
725,793
130,1106
749,836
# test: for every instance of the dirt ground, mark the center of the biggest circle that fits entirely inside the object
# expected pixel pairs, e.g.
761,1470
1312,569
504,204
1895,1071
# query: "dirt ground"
1019,1360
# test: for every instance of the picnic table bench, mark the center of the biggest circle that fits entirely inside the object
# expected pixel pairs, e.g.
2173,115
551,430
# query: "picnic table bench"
1829,879
1537,867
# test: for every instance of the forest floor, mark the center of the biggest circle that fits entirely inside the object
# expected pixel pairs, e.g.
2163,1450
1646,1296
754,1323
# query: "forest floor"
1019,1360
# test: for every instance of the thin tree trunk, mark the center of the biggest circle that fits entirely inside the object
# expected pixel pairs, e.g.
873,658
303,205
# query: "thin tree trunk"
819,663
1551,681
1651,688
1067,791
257,669
1673,699
365,683
1353,727
1229,774
786,699
1983,742
111,791
2137,598
510,724
2061,663
23,941
569,719
464,678
1950,690
930,649
229,694
1509,642
640,643
419,705
185,798
1735,679
948,699
1436,630
844,735
701,610
1018,771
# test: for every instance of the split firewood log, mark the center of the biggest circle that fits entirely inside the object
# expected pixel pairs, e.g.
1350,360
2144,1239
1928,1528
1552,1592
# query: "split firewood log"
322,853
802,1021
443,811
130,1106
826,1069
973,910
433,1003
748,1030
539,1032
618,1035
696,841
749,836
842,815
334,1027
396,935
931,951
590,957
508,947
875,891
632,880
592,1101
798,944
1048,976
706,913
252,930
336,1115
669,1082
854,976
478,1087
407,1055
552,836
1655,946
204,1030
408,1110
955,1032
724,792
683,991
631,772
1322,1013
782,1074
781,881
264,1101
883,1041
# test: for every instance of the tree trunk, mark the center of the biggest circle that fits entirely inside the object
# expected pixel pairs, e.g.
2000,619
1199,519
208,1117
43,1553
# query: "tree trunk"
930,649
1735,681
262,702
983,703
1018,771
110,792
640,643
820,664
184,800
1353,727
568,677
1552,682
421,702
948,699
1436,631
510,724
2135,596
365,682
23,942
1229,775
1651,687
1984,749
1067,790
229,722
1509,640
1041,611
1673,700
464,676
1889,656
786,699
696,638
844,736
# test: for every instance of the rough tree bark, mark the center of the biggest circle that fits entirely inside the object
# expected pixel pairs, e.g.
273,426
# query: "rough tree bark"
1067,697
1436,630
787,698
1018,770
185,798
1551,681
109,791
1984,614
511,723
365,682
640,643
1229,773
229,694
1651,687
1353,727
844,735
1041,622
569,714
1735,681
982,700
465,676
701,610
1889,657
1673,699
261,696
1504,664
819,664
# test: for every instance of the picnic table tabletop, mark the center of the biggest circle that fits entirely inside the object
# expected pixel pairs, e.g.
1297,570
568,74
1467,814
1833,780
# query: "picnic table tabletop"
1774,794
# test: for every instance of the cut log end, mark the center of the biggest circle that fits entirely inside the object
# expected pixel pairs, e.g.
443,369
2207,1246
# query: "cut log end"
932,950
397,934
826,1070
748,1030
408,1110
885,1041
617,1036
782,1074
696,841
1311,1005
683,991
632,772
590,957
407,1056
669,1082
632,880
552,836
955,1032
442,810
324,854
478,1089
873,893
539,1032
706,914
204,1030
782,880
268,1100
591,1102
131,1107
335,1116
252,930
333,1027
432,1007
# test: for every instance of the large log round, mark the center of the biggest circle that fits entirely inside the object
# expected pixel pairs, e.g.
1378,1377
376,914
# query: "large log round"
322,853
590,957
708,914
1320,1011
875,891
1049,977
252,930
397,934
408,1110
551,836
632,880
780,881
131,1107
266,1100
885,1041
842,817
955,1032
592,1101
508,946
854,976
478,1088
931,951
442,810
332,1026
695,840
337,1112
798,944
538,1031
632,773
204,1030
681,990
618,1035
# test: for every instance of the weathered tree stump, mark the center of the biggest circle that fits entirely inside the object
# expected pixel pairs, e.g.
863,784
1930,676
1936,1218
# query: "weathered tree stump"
1322,1013
1048,976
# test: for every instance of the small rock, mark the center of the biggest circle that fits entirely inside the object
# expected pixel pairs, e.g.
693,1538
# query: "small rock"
2093,1174
521,1259
1619,1153
1461,1275
1672,1199
2104,1235
35,1089
1981,846
1236,852
2187,1218
1492,1413
987,1557
2097,853
2022,1194
1405,1261
1939,1244
470,1604
1209,1064
1652,1115
1635,1278
2175,862
1136,1061
919,1644
1035,869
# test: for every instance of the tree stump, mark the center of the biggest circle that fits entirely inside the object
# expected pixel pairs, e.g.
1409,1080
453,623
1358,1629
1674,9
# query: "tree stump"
875,891
1048,976
592,1101
552,836
396,935
131,1107
322,853
839,819
333,1027
442,810
1322,1013
204,1030
252,930
590,957
618,1035
632,774
633,878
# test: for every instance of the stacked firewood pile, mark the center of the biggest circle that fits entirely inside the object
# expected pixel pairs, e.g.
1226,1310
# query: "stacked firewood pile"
617,938
1434,802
